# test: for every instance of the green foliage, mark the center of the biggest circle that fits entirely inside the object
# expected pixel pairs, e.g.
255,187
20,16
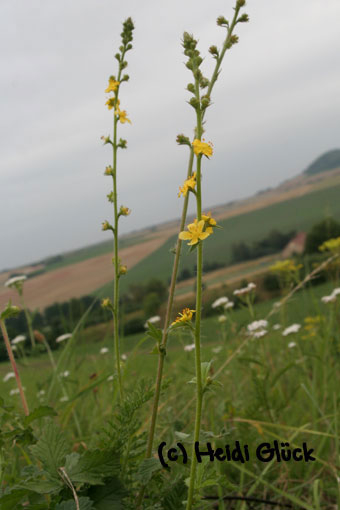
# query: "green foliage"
84,504
321,232
327,161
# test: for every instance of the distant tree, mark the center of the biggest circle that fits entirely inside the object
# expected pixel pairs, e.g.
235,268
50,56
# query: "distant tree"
240,252
321,232
151,304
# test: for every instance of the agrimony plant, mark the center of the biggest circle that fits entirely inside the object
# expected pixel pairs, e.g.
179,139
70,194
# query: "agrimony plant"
119,116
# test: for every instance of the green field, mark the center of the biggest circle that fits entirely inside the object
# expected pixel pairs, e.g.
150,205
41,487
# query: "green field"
295,214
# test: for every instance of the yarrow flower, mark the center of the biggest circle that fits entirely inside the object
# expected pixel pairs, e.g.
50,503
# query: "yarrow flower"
220,302
276,326
254,326
222,318
124,357
245,290
201,147
12,282
152,320
61,338
185,316
104,350
260,333
65,374
189,184
332,297
291,345
189,347
113,85
195,232
294,328
8,376
15,391
18,339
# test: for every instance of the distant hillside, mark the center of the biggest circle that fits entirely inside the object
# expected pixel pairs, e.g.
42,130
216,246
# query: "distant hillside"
327,161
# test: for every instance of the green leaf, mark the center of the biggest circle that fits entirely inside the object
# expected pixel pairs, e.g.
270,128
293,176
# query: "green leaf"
9,311
43,486
51,449
92,467
109,496
146,469
9,501
39,412
154,332
174,496
84,504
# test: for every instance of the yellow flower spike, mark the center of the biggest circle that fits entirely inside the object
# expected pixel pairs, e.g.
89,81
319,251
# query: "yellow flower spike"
195,232
185,316
201,147
122,116
113,85
188,185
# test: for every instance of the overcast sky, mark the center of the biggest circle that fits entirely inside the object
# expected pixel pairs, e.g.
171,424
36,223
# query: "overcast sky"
276,108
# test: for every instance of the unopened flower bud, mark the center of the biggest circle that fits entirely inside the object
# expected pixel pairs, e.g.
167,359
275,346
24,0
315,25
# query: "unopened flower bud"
191,88
214,51
126,77
243,19
122,270
106,303
183,140
194,102
205,101
39,336
240,3
111,197
106,139
108,170
122,144
117,56
221,21
124,211
204,82
106,225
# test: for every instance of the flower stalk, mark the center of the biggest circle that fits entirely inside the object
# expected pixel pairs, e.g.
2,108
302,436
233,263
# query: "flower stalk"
119,116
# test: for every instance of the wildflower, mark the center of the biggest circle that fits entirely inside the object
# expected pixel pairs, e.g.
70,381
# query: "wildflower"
291,345
13,282
111,103
185,316
195,232
209,222
254,326
104,350
18,339
152,320
332,297
8,376
113,85
122,116
63,399
230,304
294,328
200,147
245,290
61,338
260,333
276,326
220,302
124,357
65,374
124,211
106,303
15,391
285,266
122,269
106,225
110,378
41,393
188,185
189,347
332,245
106,139
108,170
311,326
222,318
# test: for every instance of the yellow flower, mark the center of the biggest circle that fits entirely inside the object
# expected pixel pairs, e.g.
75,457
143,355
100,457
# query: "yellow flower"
111,103
185,316
332,245
202,148
195,232
122,269
106,303
108,170
106,225
122,116
209,221
188,185
113,85
285,266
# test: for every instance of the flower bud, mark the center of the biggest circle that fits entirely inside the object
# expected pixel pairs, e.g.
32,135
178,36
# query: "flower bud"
106,304
106,225
214,51
111,197
191,88
122,144
117,56
126,77
221,21
205,102
183,140
108,170
124,211
240,3
122,270
243,19
106,139
194,102
204,82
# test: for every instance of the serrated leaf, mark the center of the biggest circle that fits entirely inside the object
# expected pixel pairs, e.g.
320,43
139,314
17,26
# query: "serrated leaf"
92,467
51,449
84,504
174,496
9,501
146,469
42,486
39,412
154,332
109,496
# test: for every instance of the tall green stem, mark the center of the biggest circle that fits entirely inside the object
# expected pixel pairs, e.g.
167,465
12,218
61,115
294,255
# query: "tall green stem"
29,322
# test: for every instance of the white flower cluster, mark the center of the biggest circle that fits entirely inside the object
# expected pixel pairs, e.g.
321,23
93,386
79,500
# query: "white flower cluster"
64,374
14,280
332,297
257,328
152,320
104,350
245,290
189,347
224,302
18,339
61,338
8,376
294,328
